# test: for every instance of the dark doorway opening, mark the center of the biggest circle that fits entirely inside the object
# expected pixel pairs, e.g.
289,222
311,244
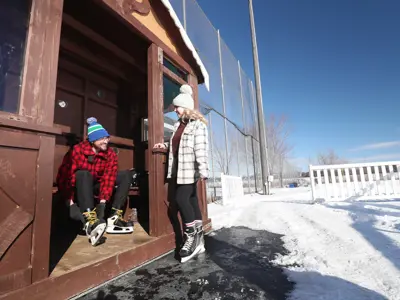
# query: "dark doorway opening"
102,73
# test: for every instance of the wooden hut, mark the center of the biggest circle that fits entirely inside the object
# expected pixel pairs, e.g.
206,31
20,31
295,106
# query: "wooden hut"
61,61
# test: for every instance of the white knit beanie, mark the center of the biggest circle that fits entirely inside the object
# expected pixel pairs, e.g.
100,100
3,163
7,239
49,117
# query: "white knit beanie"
184,99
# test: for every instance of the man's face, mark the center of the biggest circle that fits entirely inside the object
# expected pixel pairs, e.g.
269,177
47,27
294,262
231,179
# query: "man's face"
102,144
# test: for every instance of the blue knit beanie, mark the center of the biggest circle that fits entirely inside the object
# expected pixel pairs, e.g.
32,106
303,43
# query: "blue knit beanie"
95,130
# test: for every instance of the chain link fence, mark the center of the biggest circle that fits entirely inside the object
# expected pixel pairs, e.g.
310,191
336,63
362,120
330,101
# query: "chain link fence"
229,105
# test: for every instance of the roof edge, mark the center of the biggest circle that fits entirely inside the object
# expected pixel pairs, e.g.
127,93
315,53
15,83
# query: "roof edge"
188,42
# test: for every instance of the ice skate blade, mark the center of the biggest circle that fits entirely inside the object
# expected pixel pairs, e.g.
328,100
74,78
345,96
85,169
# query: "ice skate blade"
96,234
186,258
119,230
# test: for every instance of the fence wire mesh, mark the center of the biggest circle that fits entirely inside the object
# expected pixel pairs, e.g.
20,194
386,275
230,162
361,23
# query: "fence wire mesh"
229,105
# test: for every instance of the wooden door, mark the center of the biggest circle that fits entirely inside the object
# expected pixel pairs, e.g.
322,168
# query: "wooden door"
24,185
82,93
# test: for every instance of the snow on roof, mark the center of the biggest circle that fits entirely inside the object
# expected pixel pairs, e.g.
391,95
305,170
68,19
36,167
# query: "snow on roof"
188,42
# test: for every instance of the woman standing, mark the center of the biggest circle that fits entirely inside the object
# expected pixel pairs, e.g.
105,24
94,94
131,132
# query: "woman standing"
188,163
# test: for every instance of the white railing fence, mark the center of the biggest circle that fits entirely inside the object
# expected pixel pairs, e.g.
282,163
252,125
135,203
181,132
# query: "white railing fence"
232,188
355,181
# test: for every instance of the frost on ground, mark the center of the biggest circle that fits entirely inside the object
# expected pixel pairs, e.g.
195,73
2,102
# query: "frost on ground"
338,250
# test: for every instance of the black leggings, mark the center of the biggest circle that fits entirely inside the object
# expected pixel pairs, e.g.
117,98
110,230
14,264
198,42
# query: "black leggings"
86,187
188,203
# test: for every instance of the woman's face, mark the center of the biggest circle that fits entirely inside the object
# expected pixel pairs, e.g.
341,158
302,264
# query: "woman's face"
179,111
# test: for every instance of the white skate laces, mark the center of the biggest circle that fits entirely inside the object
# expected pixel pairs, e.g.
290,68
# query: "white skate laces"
189,242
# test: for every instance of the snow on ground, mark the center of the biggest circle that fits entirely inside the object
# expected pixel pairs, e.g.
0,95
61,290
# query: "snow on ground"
338,250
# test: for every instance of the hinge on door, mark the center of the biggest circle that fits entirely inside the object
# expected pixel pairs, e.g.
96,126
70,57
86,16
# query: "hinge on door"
160,55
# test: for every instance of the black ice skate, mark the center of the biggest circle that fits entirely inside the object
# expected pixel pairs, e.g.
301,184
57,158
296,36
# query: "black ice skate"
191,246
93,227
116,224
200,237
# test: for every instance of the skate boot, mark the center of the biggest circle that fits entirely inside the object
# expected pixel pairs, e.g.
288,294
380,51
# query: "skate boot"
93,227
200,237
190,247
116,224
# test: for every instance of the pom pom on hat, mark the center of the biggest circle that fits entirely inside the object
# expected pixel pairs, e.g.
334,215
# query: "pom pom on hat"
91,120
184,99
186,89
95,130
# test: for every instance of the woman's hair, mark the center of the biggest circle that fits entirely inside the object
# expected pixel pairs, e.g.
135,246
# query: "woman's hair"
191,114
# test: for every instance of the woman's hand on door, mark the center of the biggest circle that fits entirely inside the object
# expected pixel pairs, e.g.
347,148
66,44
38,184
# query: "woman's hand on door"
159,146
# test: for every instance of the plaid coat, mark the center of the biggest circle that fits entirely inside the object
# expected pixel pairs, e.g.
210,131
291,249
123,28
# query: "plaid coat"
104,168
192,154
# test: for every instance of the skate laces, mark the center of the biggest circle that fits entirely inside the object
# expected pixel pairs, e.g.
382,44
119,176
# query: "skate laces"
119,212
189,241
91,216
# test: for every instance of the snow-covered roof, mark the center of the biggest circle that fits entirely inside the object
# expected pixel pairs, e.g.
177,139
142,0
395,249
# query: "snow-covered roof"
188,42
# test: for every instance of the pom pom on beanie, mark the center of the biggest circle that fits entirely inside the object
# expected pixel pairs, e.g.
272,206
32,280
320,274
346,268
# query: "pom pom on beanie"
91,120
184,99
186,89
95,130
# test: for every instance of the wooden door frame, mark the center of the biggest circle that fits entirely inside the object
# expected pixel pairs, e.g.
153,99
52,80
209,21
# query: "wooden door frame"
41,75
158,202
155,124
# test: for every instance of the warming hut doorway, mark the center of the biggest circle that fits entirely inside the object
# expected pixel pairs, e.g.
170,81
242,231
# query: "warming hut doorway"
102,73
121,61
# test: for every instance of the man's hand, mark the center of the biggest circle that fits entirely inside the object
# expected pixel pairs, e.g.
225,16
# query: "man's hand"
159,146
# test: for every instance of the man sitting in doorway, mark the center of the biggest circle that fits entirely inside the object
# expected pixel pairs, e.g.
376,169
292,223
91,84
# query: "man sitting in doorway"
90,169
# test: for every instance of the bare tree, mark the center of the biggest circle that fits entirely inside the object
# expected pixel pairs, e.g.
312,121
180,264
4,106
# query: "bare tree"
219,154
278,145
279,149
330,158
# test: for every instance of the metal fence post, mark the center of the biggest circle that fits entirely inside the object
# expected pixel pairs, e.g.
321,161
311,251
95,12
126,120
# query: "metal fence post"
244,122
261,120
184,14
212,153
237,150
255,164
223,102
259,134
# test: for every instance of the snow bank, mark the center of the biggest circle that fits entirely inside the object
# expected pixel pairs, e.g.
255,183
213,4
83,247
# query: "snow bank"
342,250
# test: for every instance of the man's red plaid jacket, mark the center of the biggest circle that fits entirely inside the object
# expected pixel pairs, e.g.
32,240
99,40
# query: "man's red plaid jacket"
104,168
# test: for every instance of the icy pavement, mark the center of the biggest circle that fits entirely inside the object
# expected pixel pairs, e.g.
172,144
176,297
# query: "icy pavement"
237,265
342,250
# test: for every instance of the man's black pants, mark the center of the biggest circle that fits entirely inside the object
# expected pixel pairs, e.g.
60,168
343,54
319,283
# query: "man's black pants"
86,188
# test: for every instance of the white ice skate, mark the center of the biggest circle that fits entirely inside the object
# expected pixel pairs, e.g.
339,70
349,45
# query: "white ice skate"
116,224
93,227
200,236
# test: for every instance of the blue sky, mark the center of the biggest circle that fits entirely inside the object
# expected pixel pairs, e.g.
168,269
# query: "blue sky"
332,67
